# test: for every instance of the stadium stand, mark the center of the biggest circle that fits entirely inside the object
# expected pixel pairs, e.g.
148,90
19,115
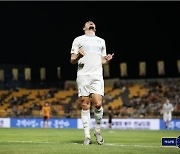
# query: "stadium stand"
132,98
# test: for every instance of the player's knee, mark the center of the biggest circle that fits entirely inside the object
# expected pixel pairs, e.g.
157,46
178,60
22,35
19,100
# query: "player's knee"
98,105
85,104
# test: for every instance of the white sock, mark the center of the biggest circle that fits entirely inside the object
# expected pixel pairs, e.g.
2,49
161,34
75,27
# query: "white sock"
85,116
98,114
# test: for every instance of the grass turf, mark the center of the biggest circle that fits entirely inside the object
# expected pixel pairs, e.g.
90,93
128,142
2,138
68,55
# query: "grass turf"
69,141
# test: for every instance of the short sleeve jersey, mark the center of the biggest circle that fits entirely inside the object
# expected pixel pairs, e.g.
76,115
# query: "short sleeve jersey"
94,48
167,108
46,111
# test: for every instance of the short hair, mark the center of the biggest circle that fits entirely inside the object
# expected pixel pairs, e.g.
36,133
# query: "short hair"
86,22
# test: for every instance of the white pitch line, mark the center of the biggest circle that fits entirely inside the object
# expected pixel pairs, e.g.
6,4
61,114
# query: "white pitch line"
28,142
139,145
108,144
125,145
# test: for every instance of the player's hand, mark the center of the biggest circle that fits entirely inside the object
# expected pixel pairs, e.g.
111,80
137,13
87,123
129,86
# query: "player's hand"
109,57
81,53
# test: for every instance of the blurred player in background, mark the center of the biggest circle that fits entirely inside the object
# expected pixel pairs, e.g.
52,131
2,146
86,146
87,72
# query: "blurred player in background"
110,116
167,110
89,51
46,110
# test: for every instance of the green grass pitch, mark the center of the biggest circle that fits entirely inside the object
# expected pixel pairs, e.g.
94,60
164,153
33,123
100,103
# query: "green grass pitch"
69,141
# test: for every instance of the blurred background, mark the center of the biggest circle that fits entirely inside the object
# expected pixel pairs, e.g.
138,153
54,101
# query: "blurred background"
35,44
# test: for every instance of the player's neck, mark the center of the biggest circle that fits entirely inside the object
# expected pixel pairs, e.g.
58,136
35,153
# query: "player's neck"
90,32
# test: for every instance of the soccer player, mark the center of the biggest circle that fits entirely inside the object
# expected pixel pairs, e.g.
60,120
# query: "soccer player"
46,114
110,116
167,110
89,51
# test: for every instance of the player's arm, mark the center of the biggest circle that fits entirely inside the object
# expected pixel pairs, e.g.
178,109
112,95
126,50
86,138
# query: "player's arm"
76,51
50,112
106,59
172,108
75,57
161,111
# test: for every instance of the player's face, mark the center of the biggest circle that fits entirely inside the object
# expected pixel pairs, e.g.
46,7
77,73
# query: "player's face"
90,26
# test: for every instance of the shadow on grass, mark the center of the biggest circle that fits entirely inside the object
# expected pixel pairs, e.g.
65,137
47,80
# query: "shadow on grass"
79,142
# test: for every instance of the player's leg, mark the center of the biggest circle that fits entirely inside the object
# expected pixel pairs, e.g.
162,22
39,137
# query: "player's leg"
110,122
44,121
98,114
169,118
167,124
83,92
85,116
47,122
98,110
97,93
166,120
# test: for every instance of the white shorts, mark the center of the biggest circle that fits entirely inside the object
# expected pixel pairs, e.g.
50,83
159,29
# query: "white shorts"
167,117
90,84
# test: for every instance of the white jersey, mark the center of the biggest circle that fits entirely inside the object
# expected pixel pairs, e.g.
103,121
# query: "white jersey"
167,108
167,111
94,48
